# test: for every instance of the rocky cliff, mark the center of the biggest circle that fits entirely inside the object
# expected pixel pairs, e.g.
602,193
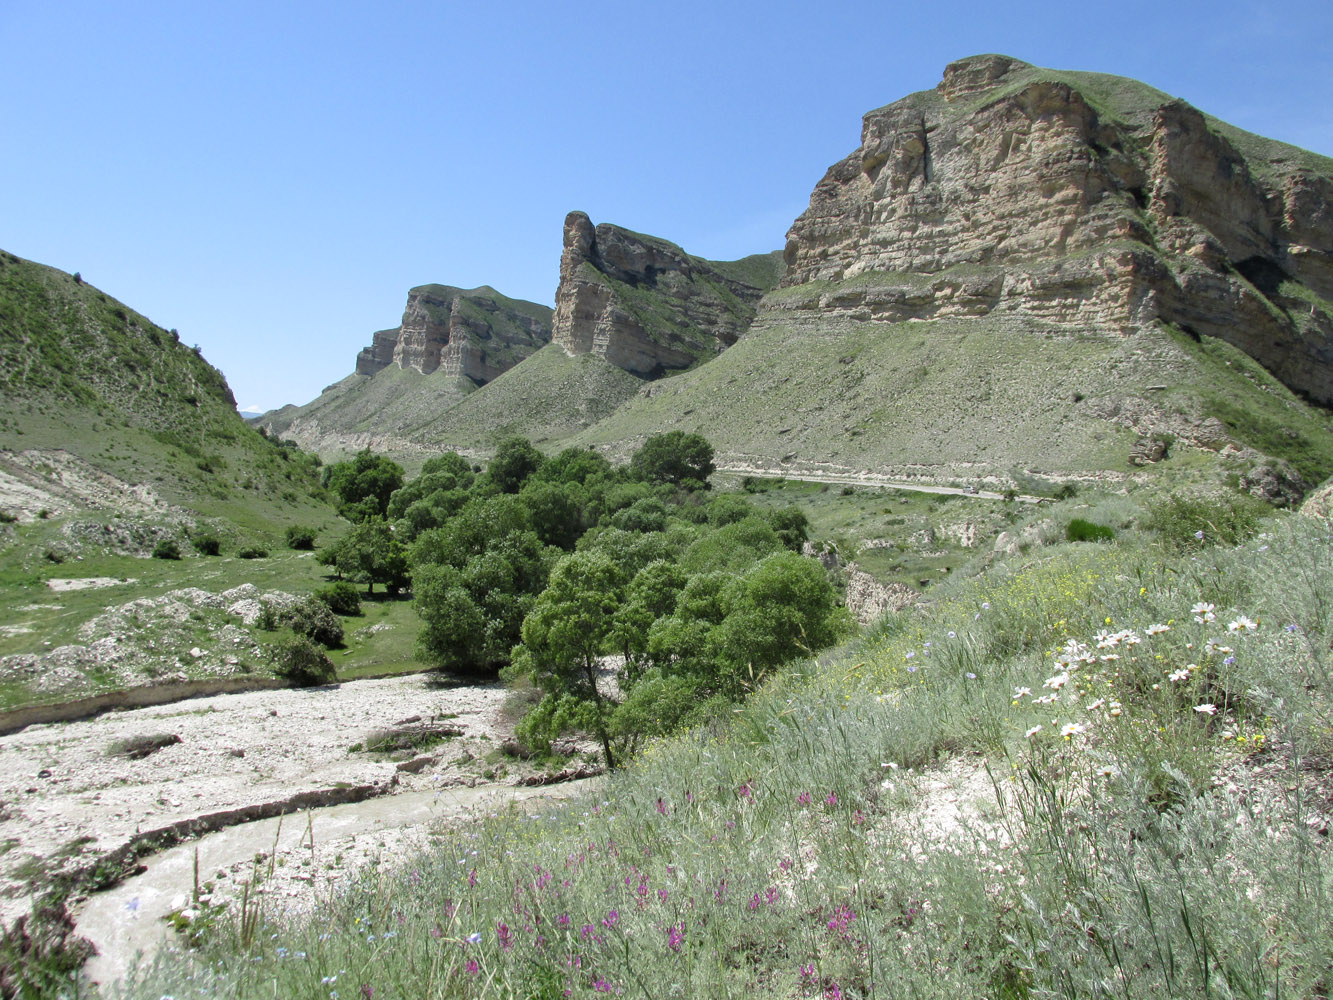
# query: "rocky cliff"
646,305
475,334
1077,201
1031,273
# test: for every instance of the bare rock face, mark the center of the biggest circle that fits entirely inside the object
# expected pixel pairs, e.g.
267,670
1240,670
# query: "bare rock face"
645,304
1078,201
476,334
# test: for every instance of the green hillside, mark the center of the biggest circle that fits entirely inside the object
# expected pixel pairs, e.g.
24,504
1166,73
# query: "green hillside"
84,375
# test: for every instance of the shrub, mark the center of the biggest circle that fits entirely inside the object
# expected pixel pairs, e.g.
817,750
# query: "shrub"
207,545
300,537
303,663
315,620
1079,530
253,552
1191,520
167,549
342,598
7,518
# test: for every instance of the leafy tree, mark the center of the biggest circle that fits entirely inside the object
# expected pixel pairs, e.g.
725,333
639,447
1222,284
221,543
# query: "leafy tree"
646,514
554,512
783,608
564,634
573,465
675,457
424,486
473,608
791,525
370,554
651,595
481,522
729,508
732,547
364,484
657,706
450,463
515,460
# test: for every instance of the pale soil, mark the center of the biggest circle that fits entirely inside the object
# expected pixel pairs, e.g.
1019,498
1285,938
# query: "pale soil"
64,799
84,583
57,482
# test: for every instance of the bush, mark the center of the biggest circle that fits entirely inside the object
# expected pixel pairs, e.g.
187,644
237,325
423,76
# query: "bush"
315,620
1185,520
300,537
1079,530
207,545
167,549
342,598
303,663
253,552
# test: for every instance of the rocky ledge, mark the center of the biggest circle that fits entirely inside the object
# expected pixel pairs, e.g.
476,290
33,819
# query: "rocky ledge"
645,304
475,333
1083,201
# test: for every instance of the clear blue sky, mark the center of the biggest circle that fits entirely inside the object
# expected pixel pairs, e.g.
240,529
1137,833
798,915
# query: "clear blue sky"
270,178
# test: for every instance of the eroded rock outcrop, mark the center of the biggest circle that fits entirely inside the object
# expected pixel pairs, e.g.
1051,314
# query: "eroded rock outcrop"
476,334
1078,201
645,304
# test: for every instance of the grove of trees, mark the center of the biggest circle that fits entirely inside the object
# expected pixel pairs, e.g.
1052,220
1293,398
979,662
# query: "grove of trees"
632,599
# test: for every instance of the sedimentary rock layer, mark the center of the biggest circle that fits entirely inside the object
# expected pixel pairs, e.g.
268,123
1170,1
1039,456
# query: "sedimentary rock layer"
645,304
1081,201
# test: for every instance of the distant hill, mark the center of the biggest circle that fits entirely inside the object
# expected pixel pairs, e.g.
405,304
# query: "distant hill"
630,309
85,378
450,342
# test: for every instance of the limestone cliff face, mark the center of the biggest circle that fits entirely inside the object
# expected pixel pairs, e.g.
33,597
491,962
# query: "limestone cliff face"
646,305
476,334
1078,200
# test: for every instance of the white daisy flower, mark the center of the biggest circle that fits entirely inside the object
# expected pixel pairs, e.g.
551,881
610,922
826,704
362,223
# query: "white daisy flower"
1208,708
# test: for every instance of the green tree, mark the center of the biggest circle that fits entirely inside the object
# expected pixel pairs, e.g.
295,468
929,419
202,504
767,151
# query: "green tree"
573,465
651,595
370,554
515,460
675,457
564,635
364,484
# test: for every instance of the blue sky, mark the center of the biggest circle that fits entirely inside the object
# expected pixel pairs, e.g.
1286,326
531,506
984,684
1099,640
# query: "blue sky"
271,178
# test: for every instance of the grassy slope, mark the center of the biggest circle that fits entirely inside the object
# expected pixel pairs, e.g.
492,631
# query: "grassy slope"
546,397
895,813
84,373
963,394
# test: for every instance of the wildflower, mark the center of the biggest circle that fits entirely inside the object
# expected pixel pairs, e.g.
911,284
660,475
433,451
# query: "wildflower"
661,807
675,936
1198,535
1178,675
1229,661
808,971
832,800
1242,624
909,654
506,937
1208,708
1096,705
1022,692
971,676
953,635
803,799
367,991
1033,731
1057,682
474,938
842,919
1203,612
1157,629
1072,729
1291,628
1106,771
473,967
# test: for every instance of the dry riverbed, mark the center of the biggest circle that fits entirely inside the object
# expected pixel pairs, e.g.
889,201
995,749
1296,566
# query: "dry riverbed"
70,792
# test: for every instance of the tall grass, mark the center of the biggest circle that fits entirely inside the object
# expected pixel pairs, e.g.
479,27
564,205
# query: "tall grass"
901,818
